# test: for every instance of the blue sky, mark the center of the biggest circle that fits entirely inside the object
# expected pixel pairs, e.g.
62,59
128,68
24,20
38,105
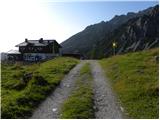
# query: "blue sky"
85,13
34,19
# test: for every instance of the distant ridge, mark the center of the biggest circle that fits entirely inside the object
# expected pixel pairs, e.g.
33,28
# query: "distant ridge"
132,32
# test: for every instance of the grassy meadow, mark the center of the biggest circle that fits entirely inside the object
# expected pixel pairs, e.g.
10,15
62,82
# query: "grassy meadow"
79,105
19,97
135,79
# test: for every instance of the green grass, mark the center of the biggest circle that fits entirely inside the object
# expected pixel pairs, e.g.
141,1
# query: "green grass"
134,77
20,98
80,104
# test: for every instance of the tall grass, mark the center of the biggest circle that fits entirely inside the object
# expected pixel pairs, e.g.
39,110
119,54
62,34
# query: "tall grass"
134,77
20,98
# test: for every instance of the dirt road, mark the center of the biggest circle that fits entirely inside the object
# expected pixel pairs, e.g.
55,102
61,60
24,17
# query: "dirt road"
49,109
106,105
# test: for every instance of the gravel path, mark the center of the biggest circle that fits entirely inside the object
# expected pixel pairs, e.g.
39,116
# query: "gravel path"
50,108
105,102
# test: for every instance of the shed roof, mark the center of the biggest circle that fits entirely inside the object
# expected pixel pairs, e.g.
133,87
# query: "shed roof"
13,52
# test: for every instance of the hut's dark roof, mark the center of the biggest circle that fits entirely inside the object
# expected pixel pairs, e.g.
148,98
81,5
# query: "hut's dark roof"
38,43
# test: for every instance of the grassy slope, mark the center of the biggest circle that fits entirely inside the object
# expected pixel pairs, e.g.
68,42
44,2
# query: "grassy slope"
80,104
18,98
134,77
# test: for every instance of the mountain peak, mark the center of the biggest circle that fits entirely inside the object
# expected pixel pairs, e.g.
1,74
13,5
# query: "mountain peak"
132,32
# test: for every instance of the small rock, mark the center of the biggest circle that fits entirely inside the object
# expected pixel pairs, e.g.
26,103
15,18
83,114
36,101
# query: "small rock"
103,95
54,109
67,85
97,92
121,108
156,58
100,99
95,108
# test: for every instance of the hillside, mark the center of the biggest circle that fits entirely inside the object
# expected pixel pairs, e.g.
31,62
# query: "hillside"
132,32
134,77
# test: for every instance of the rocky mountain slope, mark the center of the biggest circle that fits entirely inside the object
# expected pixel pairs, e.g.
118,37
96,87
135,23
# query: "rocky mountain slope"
131,32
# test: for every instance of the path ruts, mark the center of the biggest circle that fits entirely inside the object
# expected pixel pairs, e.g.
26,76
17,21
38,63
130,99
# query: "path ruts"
106,105
49,109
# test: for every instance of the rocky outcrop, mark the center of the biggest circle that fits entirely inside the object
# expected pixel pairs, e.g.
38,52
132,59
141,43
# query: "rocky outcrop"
140,33
131,32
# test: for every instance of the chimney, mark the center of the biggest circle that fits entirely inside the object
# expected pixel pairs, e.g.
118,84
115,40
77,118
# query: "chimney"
41,40
26,40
